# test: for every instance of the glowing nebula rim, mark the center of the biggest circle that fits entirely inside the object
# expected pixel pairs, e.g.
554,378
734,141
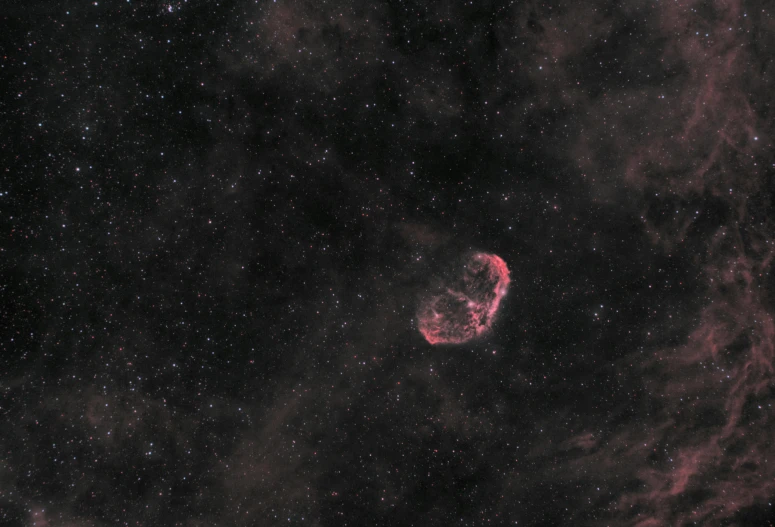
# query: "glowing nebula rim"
440,325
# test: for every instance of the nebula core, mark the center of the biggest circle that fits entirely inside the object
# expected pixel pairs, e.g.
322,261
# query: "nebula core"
466,309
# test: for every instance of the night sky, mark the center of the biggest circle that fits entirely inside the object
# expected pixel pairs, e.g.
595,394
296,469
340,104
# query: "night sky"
399,263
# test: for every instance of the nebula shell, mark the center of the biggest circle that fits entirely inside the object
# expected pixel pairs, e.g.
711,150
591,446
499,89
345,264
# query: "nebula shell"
466,310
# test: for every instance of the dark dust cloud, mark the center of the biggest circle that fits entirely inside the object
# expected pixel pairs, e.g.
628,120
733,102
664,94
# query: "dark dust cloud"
240,284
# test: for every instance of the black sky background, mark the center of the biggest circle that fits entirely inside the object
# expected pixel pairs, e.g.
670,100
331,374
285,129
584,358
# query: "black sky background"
219,219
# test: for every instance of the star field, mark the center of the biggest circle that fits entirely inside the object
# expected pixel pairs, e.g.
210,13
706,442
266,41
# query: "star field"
223,222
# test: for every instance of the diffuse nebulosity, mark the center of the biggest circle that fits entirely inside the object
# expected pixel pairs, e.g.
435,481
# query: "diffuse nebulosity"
466,308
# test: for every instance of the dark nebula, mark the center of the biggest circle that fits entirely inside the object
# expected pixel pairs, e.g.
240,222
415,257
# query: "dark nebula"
466,310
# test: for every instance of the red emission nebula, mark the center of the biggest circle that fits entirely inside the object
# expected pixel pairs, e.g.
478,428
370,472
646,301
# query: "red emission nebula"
466,310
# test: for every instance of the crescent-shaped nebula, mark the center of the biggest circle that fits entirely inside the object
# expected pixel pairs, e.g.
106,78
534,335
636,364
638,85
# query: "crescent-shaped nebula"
465,311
